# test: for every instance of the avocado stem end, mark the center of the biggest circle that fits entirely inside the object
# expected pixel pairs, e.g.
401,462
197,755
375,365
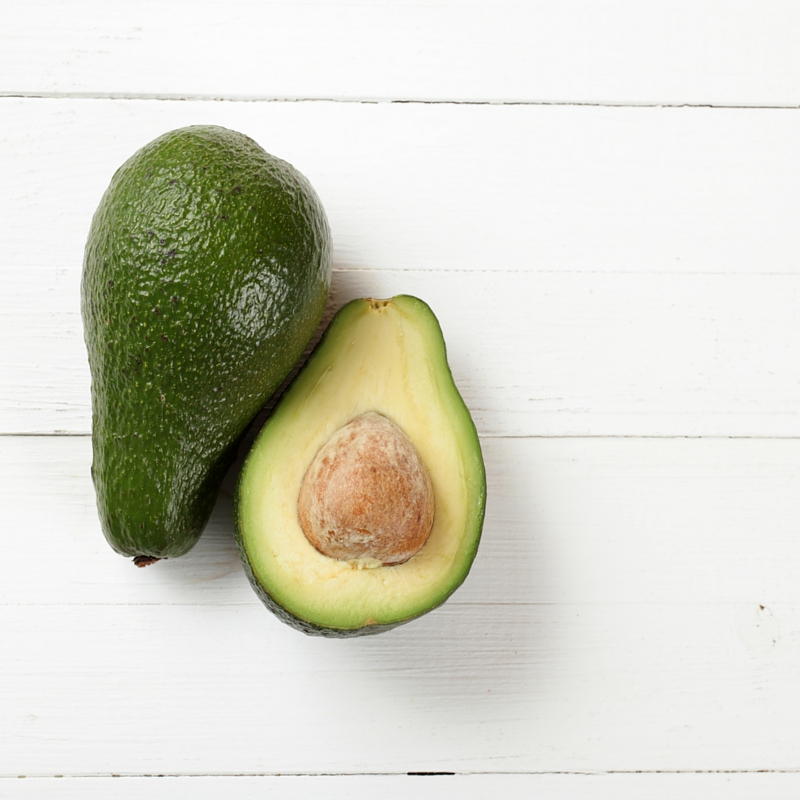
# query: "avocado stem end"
145,561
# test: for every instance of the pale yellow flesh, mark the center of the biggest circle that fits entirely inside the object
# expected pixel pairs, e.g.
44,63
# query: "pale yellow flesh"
387,364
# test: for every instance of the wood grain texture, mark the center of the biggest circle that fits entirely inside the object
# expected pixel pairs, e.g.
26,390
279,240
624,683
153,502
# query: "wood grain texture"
633,607
551,688
616,51
415,186
533,353
568,521
642,260
776,786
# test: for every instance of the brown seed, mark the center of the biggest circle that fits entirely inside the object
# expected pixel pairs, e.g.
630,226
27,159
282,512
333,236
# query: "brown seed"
367,494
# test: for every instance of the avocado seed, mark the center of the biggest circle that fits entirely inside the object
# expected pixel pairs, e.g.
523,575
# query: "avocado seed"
367,494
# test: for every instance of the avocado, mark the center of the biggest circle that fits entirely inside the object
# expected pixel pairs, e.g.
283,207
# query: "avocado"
360,505
206,271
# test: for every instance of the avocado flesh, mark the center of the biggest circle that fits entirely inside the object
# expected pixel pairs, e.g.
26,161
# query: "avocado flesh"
206,271
388,357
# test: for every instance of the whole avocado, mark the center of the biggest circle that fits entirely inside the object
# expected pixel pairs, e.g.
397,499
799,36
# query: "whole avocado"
206,271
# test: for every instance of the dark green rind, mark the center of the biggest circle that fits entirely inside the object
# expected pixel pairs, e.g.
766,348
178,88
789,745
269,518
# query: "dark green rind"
308,626
206,271
303,625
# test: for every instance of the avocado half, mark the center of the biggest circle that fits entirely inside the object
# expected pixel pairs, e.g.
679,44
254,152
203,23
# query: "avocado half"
387,357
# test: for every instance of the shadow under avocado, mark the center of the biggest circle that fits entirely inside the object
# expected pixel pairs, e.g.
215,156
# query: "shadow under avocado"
486,643
490,647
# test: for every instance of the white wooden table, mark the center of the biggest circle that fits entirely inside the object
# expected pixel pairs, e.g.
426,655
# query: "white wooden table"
600,199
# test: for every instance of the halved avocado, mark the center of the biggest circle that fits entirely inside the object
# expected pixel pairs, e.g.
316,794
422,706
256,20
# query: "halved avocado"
378,357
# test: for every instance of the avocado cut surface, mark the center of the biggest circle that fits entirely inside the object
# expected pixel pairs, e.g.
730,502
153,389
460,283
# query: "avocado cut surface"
206,271
385,357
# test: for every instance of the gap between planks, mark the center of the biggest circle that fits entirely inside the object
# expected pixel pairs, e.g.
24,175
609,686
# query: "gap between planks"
201,98
421,774
450,602
78,434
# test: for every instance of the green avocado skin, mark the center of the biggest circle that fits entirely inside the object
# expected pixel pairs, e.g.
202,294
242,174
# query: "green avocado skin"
206,271
302,625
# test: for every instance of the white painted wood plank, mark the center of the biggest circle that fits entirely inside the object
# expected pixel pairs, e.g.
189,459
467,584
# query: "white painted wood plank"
549,191
706,51
634,606
628,521
544,353
553,687
449,187
776,786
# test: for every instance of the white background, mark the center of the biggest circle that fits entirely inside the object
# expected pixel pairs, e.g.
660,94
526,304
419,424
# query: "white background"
600,200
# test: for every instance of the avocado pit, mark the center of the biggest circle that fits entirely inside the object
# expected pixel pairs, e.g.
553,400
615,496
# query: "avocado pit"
367,496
